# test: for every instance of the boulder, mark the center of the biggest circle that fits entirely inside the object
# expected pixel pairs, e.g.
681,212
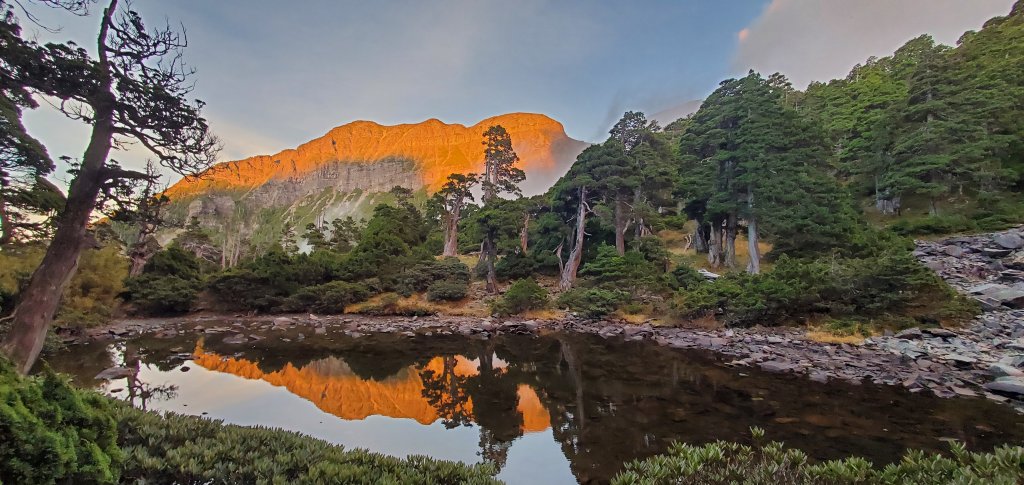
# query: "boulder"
996,252
910,333
1004,370
954,251
236,339
1008,240
115,373
939,332
1008,386
777,366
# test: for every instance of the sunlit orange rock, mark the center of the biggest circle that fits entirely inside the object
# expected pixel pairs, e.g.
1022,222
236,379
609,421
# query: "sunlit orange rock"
332,386
437,149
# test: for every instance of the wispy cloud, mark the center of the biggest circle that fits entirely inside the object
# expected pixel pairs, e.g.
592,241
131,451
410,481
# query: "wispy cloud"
823,39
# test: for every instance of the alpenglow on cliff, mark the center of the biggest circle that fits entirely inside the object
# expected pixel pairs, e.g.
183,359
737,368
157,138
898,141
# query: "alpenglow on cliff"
351,169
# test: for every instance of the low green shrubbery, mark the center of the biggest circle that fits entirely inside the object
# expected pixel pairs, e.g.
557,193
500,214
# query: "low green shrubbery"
772,464
592,302
891,283
51,432
330,298
447,290
159,295
521,296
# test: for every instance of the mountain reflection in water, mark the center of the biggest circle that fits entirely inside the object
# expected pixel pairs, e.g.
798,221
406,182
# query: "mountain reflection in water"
549,409
425,393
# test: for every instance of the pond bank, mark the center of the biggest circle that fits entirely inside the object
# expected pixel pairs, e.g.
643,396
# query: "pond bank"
982,359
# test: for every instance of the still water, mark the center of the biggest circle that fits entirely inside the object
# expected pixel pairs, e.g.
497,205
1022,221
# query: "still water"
551,409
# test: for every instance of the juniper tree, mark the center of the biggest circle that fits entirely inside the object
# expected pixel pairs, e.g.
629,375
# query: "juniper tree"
500,176
451,199
134,91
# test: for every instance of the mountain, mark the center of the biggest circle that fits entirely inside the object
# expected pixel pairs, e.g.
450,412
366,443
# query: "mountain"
350,169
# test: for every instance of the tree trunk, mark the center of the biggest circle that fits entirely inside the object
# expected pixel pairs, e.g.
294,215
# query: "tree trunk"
6,231
451,235
715,248
754,266
524,234
140,254
490,253
38,302
700,237
730,241
620,226
933,207
568,277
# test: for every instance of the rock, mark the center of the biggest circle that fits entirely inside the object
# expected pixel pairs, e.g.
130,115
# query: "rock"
1007,386
1011,297
936,265
115,373
319,330
953,251
939,332
819,376
910,333
236,339
961,359
185,368
777,366
1008,240
1003,370
775,340
995,253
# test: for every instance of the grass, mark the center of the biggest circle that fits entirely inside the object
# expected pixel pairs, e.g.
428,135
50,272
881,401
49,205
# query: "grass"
826,337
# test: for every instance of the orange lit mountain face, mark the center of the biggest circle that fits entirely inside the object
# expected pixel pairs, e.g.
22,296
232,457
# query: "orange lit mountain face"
371,157
335,389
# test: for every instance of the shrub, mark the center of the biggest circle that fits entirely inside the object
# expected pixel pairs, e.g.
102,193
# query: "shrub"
447,290
50,432
630,272
523,295
185,449
156,294
424,274
515,266
687,278
92,296
329,298
592,302
772,463
244,289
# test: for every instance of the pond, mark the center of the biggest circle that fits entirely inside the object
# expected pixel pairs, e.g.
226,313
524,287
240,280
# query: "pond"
557,408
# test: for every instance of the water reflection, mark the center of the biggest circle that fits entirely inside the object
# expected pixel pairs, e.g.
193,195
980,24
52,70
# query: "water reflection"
553,409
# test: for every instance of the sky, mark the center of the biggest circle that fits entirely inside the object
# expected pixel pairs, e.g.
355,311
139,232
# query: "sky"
277,74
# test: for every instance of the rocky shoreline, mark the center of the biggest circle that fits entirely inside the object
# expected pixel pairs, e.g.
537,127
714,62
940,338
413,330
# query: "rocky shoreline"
985,358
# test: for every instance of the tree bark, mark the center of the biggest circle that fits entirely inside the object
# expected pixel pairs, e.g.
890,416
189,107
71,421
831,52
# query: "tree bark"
451,235
38,302
6,231
620,226
568,277
524,234
715,247
730,241
754,266
140,254
700,237
491,253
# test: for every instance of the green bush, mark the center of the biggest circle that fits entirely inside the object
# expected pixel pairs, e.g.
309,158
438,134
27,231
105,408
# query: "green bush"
722,463
243,288
515,266
427,273
447,290
52,433
523,295
687,278
159,295
592,302
328,298
631,272
890,283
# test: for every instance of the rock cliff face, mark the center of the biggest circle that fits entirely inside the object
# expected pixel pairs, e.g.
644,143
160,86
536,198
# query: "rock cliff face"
345,171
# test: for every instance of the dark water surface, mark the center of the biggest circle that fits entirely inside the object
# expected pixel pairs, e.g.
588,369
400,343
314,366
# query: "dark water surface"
551,409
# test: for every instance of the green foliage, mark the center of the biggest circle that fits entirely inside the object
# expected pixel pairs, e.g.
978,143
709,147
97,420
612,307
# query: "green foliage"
159,295
430,272
631,272
890,283
523,295
92,296
52,433
447,290
328,298
686,278
516,266
592,302
185,449
772,463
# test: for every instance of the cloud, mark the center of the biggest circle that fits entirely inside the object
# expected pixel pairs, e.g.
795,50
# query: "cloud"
822,39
